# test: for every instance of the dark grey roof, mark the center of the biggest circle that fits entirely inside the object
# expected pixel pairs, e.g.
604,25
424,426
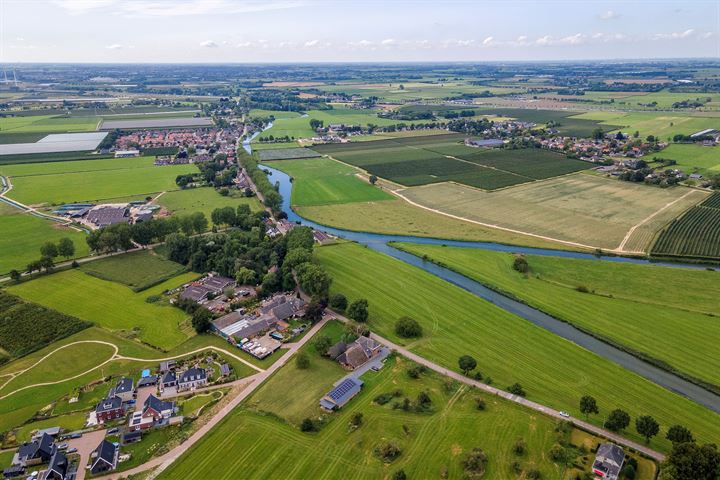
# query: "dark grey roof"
157,404
609,460
195,292
343,392
40,448
106,451
272,303
124,385
105,216
14,471
336,350
169,377
192,374
224,369
283,311
151,380
58,465
217,283
130,436
109,404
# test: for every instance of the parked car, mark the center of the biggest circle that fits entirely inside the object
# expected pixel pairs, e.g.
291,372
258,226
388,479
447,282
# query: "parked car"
71,450
113,430
75,435
62,446
564,414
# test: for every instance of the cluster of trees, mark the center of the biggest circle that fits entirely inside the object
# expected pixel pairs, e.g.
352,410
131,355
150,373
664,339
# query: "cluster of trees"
469,127
218,173
272,198
48,252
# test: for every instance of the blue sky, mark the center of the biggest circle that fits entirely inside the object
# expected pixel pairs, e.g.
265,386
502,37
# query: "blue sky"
358,31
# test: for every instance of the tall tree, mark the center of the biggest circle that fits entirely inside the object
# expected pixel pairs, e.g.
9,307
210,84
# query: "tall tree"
647,426
66,247
358,310
588,405
466,364
617,420
679,434
49,249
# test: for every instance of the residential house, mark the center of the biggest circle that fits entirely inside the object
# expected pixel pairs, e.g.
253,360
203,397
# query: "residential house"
104,458
336,350
341,394
225,370
158,409
359,352
149,381
125,389
58,469
192,378
168,380
35,452
109,409
608,462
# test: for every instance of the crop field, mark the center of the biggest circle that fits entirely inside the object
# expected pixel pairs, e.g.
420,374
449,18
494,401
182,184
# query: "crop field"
322,181
508,349
286,154
34,232
695,234
414,161
113,306
144,122
416,90
582,209
675,328
693,158
47,124
203,199
63,182
137,270
430,441
663,125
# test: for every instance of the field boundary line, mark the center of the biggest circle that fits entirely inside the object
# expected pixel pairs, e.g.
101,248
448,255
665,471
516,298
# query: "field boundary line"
209,347
621,247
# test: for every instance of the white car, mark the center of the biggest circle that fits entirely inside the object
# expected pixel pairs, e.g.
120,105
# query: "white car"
564,414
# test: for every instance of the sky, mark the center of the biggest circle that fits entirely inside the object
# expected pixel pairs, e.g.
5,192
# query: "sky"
240,31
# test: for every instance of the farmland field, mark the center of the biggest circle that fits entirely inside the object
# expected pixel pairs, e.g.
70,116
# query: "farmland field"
663,125
203,199
286,154
430,441
91,180
695,234
508,349
321,181
137,270
47,124
580,209
114,306
417,161
145,122
674,328
692,157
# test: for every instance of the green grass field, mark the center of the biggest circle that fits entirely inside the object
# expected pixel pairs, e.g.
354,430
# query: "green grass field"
137,270
693,158
663,125
47,124
285,154
204,200
431,442
24,234
64,182
664,313
322,181
508,349
111,305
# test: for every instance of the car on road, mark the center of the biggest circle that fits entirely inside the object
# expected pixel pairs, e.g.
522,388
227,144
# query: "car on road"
113,430
564,414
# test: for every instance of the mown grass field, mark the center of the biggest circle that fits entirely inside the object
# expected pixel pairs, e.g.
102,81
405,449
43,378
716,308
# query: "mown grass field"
695,234
47,124
431,442
508,349
286,154
692,157
90,180
322,181
585,209
24,234
111,305
137,270
414,161
664,313
663,125
203,199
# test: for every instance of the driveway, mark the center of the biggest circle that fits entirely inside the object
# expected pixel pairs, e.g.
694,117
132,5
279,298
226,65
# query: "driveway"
85,446
142,395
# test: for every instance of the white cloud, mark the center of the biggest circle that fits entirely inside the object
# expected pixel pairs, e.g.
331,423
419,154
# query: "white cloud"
78,7
488,41
158,8
674,35
388,42
114,46
312,43
244,44
609,15
208,44
545,40
576,39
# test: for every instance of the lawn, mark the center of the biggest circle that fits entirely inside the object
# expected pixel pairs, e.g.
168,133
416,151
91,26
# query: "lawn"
111,305
70,183
322,181
204,199
579,208
69,423
137,270
664,313
433,441
24,234
693,158
553,371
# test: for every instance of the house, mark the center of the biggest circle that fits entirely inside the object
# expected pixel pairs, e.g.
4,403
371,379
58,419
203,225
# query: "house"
137,422
224,370
125,389
336,350
109,409
196,293
52,431
359,352
341,394
35,452
105,215
104,458
168,380
192,378
608,462
158,409
58,469
150,381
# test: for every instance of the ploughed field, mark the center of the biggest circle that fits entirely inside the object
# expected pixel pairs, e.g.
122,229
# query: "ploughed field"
695,234
413,161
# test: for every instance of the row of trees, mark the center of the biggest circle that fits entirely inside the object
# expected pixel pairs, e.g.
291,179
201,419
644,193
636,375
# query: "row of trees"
48,252
272,198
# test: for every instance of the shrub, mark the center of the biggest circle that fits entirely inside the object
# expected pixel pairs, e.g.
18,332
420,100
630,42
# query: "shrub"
533,474
516,389
475,463
358,310
153,298
521,265
582,289
520,447
400,475
416,370
628,472
516,467
384,398
356,420
338,302
407,327
308,425
388,451
302,361
423,402
480,403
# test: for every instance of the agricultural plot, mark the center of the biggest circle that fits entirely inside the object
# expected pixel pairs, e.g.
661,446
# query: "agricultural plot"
286,154
576,209
157,123
137,270
90,180
693,158
663,125
695,234
508,349
56,143
322,181
674,328
568,123
47,124
111,305
435,440
205,200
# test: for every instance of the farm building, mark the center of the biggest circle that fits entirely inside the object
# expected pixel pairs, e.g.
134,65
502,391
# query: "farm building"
104,458
608,462
127,153
484,142
341,394
105,215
